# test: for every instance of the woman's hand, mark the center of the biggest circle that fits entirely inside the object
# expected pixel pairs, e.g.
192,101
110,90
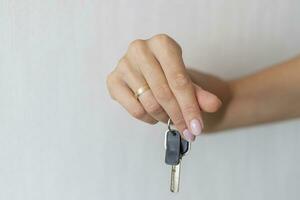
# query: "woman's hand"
157,63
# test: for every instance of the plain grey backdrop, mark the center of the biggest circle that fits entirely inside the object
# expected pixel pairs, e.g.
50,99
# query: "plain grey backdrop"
62,137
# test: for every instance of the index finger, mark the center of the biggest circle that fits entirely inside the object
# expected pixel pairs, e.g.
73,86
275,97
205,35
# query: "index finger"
168,53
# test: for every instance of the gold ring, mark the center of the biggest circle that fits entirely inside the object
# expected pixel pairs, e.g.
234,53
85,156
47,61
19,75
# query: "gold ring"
141,90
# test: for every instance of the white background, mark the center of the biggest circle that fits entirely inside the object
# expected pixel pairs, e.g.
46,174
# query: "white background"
61,137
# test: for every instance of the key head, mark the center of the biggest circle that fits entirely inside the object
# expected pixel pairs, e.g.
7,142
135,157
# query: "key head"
173,143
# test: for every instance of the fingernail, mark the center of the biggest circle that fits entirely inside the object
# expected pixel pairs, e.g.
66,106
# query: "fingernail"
188,135
196,127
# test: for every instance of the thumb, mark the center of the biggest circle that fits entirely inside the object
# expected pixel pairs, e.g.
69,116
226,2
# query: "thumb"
208,102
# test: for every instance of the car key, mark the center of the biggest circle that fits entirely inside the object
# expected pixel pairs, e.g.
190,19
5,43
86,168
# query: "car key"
176,148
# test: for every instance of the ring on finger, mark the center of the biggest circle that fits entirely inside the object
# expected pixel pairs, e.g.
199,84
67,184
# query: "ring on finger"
141,90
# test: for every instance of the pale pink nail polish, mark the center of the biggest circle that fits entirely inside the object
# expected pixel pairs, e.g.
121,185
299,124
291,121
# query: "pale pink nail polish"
188,135
196,127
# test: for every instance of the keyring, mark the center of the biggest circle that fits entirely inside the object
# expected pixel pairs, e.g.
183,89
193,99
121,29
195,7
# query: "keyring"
169,129
169,124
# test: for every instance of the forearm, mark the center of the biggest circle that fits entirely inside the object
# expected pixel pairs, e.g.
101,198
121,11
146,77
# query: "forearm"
269,95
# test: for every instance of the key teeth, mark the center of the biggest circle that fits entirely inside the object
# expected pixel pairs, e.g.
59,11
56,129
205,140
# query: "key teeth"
175,178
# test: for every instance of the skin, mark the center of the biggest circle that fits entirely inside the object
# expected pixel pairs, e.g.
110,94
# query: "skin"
191,98
272,94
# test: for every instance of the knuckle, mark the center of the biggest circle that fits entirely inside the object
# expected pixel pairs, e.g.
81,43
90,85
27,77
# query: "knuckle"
137,46
124,67
181,81
178,120
153,108
161,38
170,46
163,92
190,110
123,64
110,84
123,61
138,112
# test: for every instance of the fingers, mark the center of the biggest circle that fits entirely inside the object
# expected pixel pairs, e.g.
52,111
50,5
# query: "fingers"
155,78
120,92
158,62
168,54
135,80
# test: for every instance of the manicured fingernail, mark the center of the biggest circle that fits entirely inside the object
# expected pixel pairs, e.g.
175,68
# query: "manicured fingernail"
196,127
188,135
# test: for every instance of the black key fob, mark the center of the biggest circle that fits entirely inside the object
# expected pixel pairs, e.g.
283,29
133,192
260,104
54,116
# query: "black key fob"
173,147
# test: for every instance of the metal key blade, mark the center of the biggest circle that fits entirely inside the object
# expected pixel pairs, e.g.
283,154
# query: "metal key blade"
175,177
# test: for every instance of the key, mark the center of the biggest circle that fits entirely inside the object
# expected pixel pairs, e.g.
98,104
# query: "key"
175,173
176,148
175,177
173,156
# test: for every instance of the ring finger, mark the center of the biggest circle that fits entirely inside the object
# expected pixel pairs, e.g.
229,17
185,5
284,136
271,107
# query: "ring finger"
135,81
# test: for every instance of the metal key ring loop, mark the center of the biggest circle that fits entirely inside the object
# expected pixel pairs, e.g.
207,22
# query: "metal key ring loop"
169,124
169,129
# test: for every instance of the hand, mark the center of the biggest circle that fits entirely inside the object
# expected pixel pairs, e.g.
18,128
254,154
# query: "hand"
157,62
